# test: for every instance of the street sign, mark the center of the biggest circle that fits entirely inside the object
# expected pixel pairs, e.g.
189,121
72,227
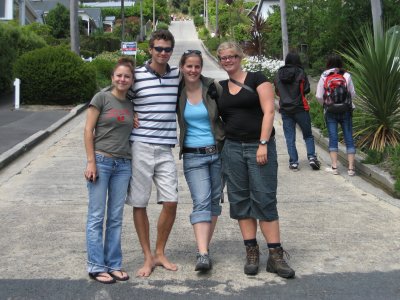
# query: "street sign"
129,48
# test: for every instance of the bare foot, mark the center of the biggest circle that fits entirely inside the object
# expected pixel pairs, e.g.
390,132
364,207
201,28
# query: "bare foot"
161,260
147,268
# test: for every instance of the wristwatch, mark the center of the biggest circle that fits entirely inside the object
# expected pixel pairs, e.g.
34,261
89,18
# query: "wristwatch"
263,142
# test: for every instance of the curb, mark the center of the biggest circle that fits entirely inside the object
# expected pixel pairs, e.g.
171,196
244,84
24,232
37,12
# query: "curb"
30,142
368,172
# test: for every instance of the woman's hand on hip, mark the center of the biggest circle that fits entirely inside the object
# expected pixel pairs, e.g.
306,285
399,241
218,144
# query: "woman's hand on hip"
262,154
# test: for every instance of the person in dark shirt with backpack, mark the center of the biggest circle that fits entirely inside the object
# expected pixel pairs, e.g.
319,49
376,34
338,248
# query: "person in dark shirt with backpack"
334,91
291,85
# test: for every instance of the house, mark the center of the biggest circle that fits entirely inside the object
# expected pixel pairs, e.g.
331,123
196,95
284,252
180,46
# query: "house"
109,23
91,17
18,9
107,3
263,8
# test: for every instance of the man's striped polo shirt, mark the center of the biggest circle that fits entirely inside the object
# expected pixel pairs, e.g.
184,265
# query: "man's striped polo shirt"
154,101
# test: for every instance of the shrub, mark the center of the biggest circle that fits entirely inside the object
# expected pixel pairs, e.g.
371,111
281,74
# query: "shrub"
198,21
103,68
266,65
242,32
317,114
44,31
213,43
63,78
162,25
375,67
105,62
14,42
58,19
100,43
204,33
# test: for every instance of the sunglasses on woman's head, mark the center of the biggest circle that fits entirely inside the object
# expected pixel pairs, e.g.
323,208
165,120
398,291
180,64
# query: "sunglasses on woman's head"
161,49
187,52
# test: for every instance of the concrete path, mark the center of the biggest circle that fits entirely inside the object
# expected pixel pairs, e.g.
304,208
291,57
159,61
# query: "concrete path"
343,235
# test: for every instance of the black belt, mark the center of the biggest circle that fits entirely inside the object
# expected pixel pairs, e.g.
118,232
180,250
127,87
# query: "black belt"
202,150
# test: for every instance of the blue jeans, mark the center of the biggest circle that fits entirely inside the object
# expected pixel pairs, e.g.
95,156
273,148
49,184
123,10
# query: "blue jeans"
289,129
346,122
114,175
203,176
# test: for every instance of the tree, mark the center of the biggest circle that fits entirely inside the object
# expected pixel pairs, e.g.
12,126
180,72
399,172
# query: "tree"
58,19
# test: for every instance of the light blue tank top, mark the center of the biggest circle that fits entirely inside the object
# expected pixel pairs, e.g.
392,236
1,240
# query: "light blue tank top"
198,131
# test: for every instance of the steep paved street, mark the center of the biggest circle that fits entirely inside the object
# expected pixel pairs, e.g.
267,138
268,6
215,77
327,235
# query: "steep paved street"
343,235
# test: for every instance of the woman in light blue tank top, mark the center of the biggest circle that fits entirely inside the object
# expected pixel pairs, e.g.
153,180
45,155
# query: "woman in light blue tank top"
201,140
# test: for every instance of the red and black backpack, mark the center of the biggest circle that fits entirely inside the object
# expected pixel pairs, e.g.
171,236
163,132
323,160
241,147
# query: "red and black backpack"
337,98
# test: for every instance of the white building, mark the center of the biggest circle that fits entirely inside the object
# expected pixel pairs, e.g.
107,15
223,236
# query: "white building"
265,7
18,9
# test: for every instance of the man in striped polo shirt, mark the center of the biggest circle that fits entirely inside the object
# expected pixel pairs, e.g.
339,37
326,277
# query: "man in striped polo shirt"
155,95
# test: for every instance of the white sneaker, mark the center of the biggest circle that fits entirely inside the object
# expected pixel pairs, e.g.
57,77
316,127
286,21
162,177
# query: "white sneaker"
332,170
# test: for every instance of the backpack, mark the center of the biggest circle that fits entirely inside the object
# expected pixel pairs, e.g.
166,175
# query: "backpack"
337,98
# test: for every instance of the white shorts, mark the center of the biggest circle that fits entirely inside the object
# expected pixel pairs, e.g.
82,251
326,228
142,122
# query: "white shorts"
152,162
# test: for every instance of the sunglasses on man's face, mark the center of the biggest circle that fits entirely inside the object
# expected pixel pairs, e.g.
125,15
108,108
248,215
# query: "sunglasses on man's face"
161,49
187,52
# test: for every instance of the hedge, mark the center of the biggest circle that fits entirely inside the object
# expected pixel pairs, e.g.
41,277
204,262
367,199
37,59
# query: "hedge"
14,42
55,76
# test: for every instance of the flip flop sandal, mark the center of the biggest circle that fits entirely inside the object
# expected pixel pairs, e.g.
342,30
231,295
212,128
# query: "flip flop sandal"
124,278
98,275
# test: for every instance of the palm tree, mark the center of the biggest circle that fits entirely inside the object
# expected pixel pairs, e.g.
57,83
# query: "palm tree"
375,66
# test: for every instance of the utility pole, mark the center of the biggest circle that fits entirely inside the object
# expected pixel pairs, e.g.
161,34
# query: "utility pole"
285,38
376,6
122,20
141,38
154,15
216,19
74,28
21,4
207,14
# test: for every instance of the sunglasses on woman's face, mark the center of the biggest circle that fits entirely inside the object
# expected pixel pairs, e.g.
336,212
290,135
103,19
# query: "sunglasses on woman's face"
187,52
161,49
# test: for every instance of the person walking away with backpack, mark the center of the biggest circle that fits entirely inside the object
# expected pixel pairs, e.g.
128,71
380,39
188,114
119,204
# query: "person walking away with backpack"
201,140
335,92
291,85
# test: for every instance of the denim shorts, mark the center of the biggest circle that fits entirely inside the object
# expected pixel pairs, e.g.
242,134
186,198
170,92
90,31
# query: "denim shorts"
251,187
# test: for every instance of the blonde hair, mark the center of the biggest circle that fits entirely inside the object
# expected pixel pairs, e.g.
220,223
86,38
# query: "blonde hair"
231,46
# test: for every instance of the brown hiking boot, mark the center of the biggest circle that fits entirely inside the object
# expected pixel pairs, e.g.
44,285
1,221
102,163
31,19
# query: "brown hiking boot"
277,264
252,260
